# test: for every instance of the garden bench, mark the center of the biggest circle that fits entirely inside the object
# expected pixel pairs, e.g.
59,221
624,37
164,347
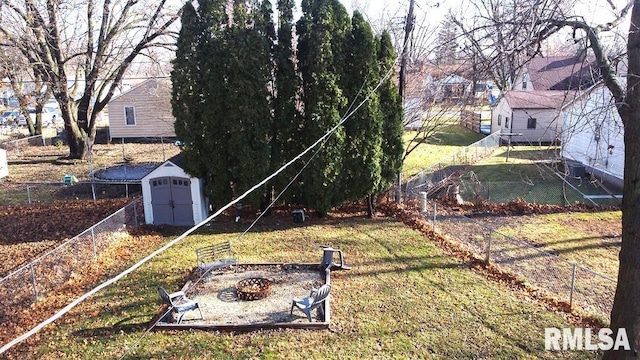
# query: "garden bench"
215,256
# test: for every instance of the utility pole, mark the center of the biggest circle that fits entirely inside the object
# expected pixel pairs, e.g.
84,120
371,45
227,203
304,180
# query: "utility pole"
408,28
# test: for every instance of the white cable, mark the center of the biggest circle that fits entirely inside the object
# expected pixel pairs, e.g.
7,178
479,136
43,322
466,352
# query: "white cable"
159,251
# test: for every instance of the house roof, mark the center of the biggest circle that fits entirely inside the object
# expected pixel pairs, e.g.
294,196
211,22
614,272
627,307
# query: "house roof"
147,82
562,73
454,79
546,99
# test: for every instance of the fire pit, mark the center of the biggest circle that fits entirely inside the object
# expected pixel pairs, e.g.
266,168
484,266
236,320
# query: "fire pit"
253,289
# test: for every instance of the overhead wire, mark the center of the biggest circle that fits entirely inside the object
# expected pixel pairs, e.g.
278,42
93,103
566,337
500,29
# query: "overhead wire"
181,237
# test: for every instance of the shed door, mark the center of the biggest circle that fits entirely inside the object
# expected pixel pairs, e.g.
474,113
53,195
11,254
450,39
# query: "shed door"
171,201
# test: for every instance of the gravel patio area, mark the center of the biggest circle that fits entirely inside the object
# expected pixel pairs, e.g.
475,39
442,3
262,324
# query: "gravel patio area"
221,307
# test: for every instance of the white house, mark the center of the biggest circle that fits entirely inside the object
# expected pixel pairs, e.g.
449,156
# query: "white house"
532,115
171,196
593,134
142,111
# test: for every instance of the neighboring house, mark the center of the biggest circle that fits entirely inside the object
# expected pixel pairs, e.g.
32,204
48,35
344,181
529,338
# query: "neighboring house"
593,135
142,111
454,88
173,197
530,112
530,116
557,73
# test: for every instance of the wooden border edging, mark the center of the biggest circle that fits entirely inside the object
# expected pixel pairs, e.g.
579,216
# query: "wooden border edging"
259,326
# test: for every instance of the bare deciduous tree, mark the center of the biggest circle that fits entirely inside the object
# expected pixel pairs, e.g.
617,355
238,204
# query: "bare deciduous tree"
83,49
538,21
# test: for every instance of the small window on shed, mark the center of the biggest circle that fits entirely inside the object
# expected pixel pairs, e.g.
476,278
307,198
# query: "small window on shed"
531,123
129,115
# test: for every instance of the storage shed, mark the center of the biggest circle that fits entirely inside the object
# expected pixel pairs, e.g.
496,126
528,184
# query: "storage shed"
173,197
4,165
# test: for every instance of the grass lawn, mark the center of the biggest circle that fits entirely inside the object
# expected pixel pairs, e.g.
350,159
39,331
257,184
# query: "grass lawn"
514,173
403,298
591,240
442,145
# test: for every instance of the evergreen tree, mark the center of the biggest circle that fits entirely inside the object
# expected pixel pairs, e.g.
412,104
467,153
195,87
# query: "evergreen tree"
391,109
221,97
363,131
186,88
321,30
286,133
246,116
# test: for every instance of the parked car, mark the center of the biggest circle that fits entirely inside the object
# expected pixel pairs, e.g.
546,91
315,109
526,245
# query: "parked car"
48,117
8,116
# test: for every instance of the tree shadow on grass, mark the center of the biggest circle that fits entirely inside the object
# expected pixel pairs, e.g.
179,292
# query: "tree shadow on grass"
122,326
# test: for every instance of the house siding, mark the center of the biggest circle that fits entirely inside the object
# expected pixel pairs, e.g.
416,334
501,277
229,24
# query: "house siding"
602,154
151,101
547,125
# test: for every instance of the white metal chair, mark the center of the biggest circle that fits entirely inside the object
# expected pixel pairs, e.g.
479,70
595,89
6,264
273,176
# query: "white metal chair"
315,300
179,303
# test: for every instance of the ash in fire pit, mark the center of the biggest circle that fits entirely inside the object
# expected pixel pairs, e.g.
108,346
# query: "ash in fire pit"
253,289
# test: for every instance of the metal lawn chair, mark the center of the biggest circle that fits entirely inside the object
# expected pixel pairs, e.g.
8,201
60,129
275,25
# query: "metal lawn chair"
179,303
315,300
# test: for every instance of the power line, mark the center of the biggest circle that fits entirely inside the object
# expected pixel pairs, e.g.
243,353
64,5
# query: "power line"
170,244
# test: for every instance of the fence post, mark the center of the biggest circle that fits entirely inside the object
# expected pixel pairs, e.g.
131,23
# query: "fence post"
573,286
487,256
135,213
399,189
28,194
433,225
33,282
93,241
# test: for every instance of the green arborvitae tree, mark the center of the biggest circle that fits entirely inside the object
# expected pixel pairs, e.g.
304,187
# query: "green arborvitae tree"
187,90
286,132
363,131
391,109
319,31
221,97
246,117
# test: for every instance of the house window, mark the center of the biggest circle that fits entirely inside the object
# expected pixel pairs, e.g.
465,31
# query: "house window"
499,120
129,115
506,122
524,84
531,123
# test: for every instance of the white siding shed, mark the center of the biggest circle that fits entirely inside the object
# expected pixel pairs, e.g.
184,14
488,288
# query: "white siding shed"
173,197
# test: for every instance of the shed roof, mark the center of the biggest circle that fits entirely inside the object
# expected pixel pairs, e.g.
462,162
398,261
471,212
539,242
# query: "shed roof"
547,99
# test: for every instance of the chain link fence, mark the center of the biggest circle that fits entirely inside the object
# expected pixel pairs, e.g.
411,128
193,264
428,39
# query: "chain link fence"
592,292
456,163
48,272
47,192
21,144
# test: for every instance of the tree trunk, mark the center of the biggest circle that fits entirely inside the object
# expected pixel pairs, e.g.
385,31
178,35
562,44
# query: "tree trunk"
626,311
370,206
76,145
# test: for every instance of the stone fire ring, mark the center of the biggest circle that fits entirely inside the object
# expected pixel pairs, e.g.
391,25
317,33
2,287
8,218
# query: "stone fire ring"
253,289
